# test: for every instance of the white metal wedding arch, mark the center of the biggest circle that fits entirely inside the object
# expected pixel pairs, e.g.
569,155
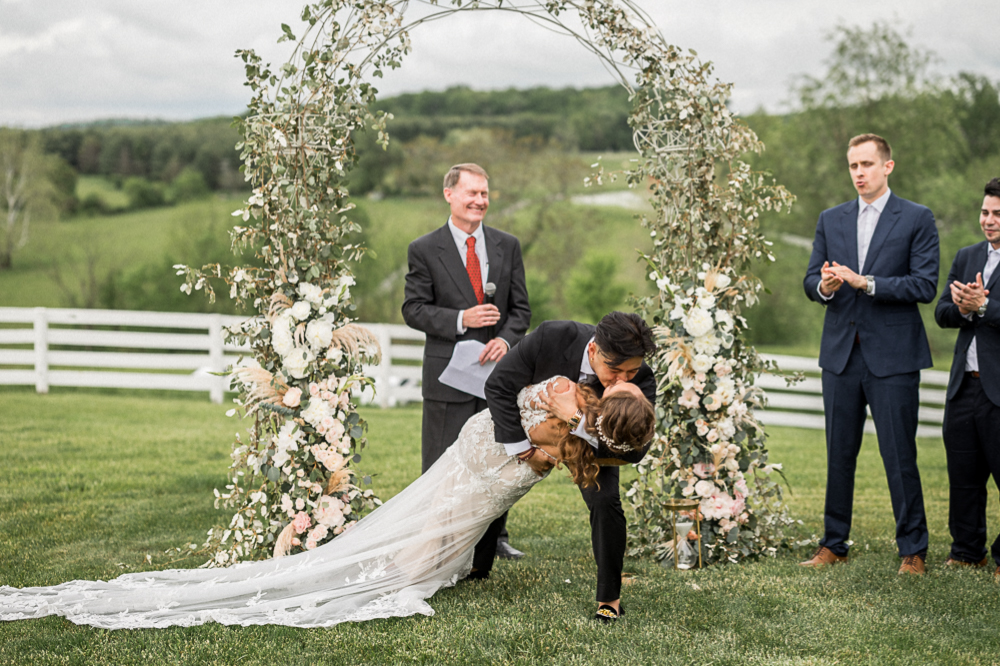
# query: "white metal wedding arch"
294,480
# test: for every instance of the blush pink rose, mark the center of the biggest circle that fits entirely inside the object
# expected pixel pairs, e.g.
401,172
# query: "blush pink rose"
301,522
704,470
292,397
688,399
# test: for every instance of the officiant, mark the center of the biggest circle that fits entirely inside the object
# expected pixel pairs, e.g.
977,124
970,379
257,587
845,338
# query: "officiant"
465,282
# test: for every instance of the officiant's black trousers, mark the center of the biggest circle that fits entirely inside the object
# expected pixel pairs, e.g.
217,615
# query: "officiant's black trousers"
607,536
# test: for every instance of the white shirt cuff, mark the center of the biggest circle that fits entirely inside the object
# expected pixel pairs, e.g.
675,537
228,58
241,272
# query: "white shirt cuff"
581,432
517,447
461,329
821,294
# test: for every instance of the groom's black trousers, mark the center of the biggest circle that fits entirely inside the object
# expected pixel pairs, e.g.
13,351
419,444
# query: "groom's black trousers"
607,536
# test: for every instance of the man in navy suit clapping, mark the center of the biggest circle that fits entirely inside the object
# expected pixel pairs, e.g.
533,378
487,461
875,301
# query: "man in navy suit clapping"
874,258
972,413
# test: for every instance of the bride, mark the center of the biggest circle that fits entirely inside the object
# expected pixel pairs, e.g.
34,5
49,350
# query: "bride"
388,563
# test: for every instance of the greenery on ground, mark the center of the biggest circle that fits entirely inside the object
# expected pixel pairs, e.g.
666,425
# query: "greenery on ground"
93,482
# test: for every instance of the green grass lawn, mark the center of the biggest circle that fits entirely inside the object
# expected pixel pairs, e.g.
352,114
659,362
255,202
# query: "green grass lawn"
92,482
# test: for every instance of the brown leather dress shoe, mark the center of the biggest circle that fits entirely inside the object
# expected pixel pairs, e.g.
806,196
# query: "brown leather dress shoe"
952,562
823,557
912,564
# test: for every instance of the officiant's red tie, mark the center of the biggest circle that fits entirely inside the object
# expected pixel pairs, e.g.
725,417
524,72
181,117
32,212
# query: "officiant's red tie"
472,267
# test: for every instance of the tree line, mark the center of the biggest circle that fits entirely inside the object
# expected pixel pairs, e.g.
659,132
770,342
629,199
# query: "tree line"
945,133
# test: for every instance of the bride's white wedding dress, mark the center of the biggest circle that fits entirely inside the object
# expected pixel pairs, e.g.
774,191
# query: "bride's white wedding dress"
385,566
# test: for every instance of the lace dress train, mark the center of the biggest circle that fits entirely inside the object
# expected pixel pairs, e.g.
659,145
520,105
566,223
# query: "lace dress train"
387,565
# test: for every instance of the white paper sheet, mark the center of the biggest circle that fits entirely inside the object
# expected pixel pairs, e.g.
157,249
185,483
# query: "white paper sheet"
464,372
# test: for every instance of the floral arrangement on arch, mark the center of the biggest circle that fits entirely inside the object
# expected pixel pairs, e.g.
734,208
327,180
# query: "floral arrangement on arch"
291,480
298,149
710,447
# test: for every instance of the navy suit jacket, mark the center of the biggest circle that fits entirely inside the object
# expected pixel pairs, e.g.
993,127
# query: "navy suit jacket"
903,257
986,329
438,286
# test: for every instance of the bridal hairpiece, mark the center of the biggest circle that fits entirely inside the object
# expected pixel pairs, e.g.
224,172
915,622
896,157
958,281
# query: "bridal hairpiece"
610,443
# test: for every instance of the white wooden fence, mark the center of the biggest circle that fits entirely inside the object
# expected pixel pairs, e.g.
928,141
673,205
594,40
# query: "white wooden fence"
179,351
48,347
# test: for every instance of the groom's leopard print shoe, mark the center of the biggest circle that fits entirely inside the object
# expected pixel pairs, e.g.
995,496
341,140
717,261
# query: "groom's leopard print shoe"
607,614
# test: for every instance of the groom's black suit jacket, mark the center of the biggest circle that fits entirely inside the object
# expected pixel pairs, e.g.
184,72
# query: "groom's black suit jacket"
438,286
554,348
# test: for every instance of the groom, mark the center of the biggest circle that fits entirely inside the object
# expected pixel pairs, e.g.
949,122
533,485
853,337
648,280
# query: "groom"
597,357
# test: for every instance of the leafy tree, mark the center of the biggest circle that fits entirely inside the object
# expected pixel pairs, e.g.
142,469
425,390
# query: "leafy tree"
541,296
143,194
592,289
26,192
978,101
188,186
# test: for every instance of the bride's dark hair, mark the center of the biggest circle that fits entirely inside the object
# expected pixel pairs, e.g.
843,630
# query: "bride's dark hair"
628,421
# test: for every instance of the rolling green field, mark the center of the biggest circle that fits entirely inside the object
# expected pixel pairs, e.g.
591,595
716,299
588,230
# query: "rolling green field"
73,257
93,482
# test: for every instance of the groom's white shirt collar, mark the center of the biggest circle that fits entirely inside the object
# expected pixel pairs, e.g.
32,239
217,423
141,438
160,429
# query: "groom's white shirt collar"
585,367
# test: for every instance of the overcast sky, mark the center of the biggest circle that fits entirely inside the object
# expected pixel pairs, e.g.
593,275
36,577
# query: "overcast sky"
78,60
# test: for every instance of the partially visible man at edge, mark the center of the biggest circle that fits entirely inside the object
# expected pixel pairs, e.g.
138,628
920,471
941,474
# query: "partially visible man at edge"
449,269
972,411
874,259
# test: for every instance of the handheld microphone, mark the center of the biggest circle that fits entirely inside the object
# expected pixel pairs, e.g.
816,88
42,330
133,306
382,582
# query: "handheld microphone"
489,291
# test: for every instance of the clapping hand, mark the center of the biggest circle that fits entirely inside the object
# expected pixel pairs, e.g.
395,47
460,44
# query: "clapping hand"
836,275
970,296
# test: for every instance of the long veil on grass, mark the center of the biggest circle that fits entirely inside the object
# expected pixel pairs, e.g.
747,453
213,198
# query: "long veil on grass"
386,565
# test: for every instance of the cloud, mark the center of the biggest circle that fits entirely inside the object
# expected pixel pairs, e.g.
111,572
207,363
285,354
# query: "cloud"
65,60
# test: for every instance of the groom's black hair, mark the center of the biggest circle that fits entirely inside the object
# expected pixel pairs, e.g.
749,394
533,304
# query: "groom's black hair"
624,335
993,188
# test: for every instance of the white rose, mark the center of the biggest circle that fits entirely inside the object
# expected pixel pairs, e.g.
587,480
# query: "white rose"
316,412
319,334
298,361
698,322
722,281
708,345
281,336
705,299
301,310
725,320
311,293
335,354
737,410
726,428
705,489
726,390
701,363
